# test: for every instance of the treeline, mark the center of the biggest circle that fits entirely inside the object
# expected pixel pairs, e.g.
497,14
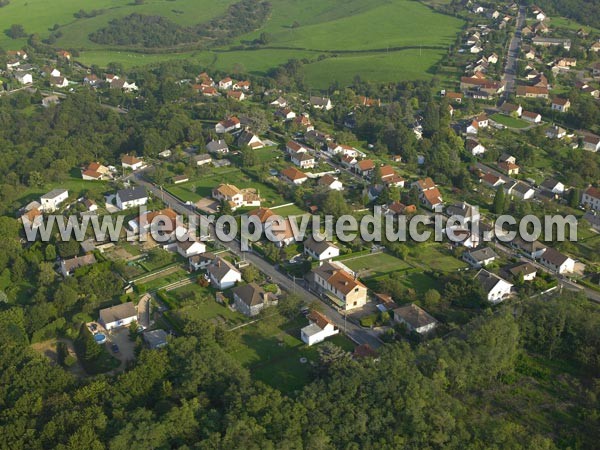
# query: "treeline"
157,31
83,14
240,18
583,11
145,31
470,391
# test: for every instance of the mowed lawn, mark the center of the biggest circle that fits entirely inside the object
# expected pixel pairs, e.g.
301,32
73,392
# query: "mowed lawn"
202,186
510,122
436,257
75,185
272,349
375,265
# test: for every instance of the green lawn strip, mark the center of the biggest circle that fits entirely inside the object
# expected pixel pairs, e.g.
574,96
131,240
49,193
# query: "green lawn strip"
508,121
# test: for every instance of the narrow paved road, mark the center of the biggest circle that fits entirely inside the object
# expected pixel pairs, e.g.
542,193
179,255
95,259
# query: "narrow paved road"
510,69
354,331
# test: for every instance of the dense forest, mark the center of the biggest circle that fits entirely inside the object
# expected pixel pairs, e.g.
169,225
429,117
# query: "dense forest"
473,390
157,31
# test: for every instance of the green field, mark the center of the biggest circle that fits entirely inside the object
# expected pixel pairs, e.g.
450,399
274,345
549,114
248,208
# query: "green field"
200,187
375,265
509,121
379,40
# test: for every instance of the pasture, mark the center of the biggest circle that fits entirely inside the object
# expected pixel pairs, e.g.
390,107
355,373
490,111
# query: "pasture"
376,39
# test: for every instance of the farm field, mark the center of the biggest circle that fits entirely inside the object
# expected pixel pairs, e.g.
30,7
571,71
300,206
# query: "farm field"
406,43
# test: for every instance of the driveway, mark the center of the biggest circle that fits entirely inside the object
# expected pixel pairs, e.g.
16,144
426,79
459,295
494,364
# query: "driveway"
126,353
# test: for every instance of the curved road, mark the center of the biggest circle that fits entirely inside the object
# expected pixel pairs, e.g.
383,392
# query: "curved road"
358,334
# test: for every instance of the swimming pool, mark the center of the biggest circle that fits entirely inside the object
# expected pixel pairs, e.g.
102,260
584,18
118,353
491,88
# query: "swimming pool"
100,338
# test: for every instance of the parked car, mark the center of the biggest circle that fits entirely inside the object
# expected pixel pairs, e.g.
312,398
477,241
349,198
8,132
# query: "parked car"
114,348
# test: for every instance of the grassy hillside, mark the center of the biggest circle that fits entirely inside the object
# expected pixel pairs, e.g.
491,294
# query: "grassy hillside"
379,40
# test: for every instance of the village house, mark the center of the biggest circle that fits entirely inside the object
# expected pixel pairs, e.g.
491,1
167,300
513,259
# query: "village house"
236,95
280,232
429,194
293,175
202,159
496,289
303,121
321,103
228,125
201,261
552,42
32,218
474,147
131,197
553,186
511,109
520,191
285,114
491,180
365,167
455,97
304,160
532,117
293,147
595,47
349,162
226,83
222,274
279,102
59,82
390,178
339,286
53,199
24,77
242,85
50,100
557,262
251,299
591,143
218,146
118,316
318,329
262,214
463,212
249,139
68,266
330,182
397,208
474,86
561,104
556,132
95,171
237,198
178,179
525,269
190,247
591,198
480,257
415,319
320,250
131,162
509,168
533,250
532,92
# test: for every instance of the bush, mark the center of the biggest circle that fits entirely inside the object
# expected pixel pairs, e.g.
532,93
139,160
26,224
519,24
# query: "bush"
368,321
70,360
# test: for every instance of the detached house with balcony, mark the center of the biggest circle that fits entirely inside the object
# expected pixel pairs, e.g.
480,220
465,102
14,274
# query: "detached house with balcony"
341,287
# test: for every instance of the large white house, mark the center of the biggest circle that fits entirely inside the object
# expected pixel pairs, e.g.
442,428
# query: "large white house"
591,198
318,329
118,316
132,197
52,200
495,288
320,250
557,262
235,197
222,274
189,248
